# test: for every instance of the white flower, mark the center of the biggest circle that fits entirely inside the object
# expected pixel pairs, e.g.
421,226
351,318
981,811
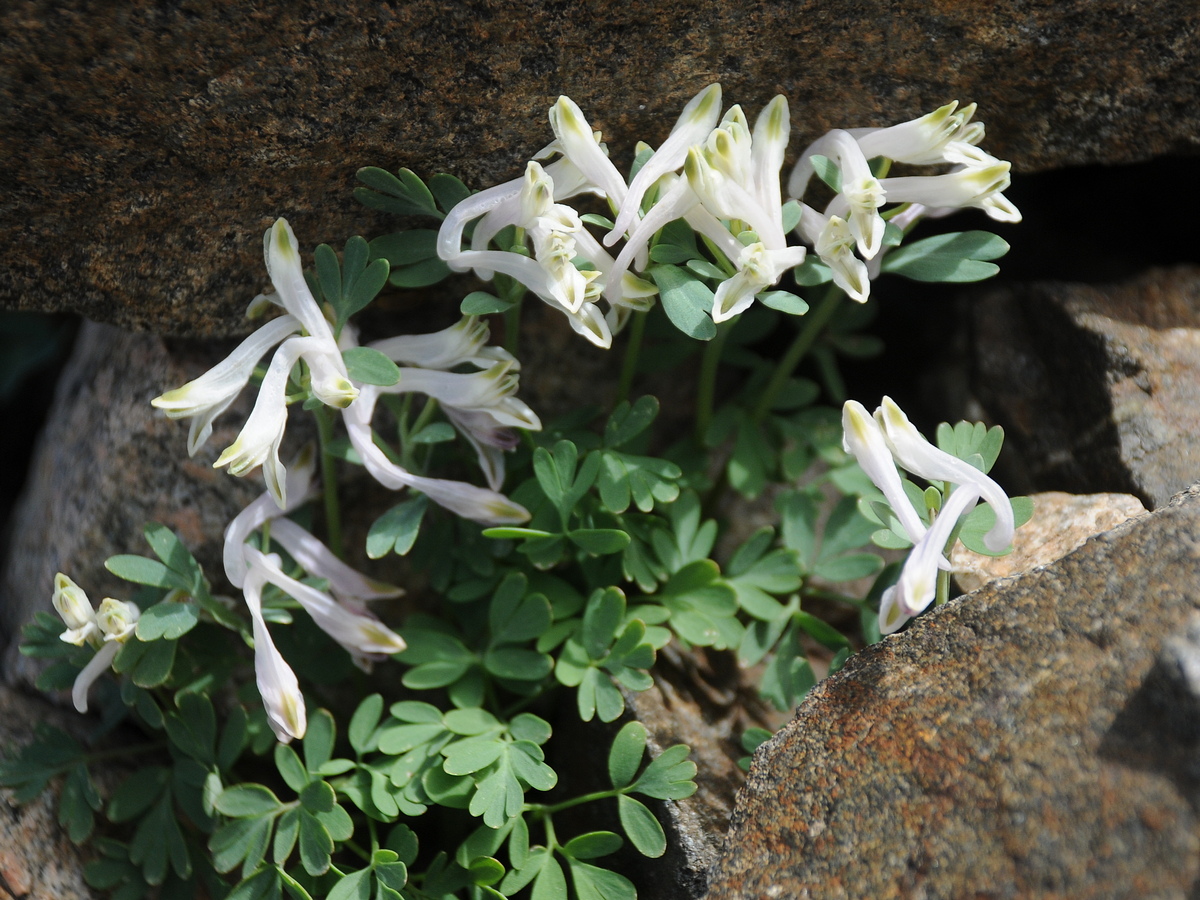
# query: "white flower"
834,242
861,193
478,504
277,683
107,630
208,396
917,455
879,443
976,181
922,141
463,342
72,604
362,635
347,584
698,118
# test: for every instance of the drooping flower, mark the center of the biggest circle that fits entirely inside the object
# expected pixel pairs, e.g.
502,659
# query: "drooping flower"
208,396
888,439
277,683
482,505
106,630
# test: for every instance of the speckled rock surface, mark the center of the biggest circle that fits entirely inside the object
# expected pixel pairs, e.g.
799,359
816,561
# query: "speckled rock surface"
1098,387
108,463
1035,739
37,859
1061,522
147,146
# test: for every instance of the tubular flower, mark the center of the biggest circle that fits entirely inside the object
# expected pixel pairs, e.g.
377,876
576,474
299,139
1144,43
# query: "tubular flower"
277,683
482,405
208,396
478,504
881,442
106,630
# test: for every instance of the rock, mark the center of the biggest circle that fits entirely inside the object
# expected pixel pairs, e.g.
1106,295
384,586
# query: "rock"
1098,388
149,147
107,464
37,860
1036,738
1061,522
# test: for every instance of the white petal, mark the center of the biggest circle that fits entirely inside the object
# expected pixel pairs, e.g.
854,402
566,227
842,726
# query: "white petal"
917,585
283,265
922,458
277,682
698,118
96,667
863,438
317,559
579,145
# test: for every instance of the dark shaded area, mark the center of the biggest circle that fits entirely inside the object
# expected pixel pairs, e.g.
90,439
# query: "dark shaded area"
1092,224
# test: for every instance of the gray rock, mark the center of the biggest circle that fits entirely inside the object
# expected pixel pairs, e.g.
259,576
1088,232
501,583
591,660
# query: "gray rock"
108,463
1098,388
148,147
1032,739
37,859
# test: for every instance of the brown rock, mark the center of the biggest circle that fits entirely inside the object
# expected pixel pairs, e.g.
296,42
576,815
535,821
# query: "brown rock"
1061,522
1098,388
148,147
1036,738
37,860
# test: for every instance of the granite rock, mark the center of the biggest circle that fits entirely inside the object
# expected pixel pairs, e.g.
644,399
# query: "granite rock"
1037,738
1097,387
1061,522
37,859
106,464
148,146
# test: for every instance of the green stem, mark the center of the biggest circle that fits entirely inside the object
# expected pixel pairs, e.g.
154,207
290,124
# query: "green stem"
633,350
814,324
333,515
550,810
706,387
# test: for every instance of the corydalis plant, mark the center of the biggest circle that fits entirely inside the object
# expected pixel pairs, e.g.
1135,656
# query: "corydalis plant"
723,179
931,521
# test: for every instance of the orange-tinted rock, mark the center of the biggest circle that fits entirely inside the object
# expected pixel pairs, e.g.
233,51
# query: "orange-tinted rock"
1034,739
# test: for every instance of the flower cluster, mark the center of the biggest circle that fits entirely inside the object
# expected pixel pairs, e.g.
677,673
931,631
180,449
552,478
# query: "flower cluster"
105,629
887,439
723,179
482,405
340,612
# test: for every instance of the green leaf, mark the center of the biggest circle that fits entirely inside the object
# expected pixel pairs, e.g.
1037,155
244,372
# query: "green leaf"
368,366
550,883
397,529
170,619
827,170
948,257
290,767
594,883
980,520
403,193
316,844
481,303
364,722
669,776
593,844
246,801
517,663
154,666
784,301
599,541
641,827
141,570
686,300
790,215
167,547
626,753
448,191
317,797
